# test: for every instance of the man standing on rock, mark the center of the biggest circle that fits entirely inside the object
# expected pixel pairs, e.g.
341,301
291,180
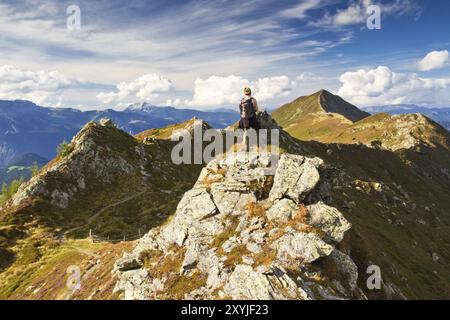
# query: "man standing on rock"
248,108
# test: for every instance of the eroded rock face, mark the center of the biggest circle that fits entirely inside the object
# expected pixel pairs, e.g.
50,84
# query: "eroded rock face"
243,234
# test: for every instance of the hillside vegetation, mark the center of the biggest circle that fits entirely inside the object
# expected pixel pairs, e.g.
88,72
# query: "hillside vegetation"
394,194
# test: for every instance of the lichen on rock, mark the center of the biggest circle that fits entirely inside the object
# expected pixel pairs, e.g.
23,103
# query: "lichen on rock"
239,234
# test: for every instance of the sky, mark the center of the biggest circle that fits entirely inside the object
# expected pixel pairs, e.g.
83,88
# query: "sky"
201,54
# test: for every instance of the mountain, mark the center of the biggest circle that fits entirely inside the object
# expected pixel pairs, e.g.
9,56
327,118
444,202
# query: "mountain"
306,120
313,229
396,202
227,240
319,103
219,118
21,167
28,128
440,115
317,115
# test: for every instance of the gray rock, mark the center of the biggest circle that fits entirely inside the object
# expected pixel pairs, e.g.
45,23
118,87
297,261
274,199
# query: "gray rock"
105,122
218,209
299,246
248,284
295,177
329,220
195,205
128,262
282,210
347,267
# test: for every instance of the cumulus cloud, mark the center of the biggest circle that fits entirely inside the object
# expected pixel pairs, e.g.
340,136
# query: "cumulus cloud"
382,86
143,89
221,91
434,60
41,87
270,88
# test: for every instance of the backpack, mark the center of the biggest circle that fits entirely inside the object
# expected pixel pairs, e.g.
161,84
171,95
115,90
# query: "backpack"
246,108
247,111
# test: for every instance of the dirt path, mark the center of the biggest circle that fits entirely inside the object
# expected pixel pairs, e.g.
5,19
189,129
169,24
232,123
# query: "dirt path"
96,215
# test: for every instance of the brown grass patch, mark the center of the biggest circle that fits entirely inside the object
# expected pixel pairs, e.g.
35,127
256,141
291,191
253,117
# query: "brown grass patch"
229,232
265,257
255,210
235,256
178,285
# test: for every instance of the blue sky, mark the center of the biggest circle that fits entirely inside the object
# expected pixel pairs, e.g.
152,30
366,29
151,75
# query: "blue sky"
200,54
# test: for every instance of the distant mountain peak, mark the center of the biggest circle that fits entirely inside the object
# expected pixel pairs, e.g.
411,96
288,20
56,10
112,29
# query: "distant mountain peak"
331,103
321,102
141,106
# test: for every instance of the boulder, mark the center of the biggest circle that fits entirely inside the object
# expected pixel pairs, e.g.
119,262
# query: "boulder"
247,284
329,220
301,247
282,210
295,177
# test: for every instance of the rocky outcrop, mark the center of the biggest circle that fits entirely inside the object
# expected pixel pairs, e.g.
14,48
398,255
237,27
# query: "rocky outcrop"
88,156
242,233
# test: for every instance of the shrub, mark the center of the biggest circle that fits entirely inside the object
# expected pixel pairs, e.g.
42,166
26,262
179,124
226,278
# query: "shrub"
34,169
64,149
9,191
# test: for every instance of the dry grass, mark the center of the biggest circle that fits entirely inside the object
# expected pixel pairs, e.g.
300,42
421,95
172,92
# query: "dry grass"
255,210
265,257
214,177
178,285
235,256
229,232
167,264
149,257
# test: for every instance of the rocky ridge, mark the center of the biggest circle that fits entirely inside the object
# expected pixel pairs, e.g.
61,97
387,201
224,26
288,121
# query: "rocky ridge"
241,233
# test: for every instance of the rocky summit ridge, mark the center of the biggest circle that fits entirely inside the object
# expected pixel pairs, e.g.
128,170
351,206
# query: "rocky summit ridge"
241,233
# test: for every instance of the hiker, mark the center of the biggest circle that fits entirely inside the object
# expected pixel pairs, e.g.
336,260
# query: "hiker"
248,108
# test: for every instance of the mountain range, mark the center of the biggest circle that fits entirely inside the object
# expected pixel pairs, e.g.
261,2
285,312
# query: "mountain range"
352,191
440,115
27,128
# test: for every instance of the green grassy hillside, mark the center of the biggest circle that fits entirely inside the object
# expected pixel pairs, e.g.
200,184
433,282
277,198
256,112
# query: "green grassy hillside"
106,182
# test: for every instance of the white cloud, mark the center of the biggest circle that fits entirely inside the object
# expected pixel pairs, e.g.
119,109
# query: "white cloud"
271,88
221,91
356,12
175,102
143,89
300,11
218,91
308,76
41,87
434,60
382,86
